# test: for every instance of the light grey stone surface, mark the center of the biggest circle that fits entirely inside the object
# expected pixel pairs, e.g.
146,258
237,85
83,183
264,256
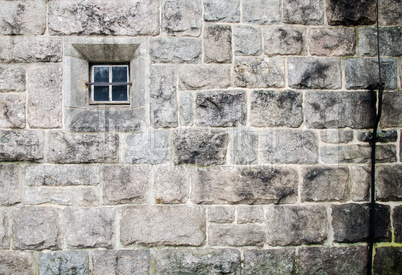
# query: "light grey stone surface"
390,12
244,146
162,225
182,17
148,148
12,78
271,261
218,44
4,232
175,50
333,42
200,77
250,214
12,111
357,154
390,41
222,10
75,74
261,11
236,235
304,12
336,136
361,181
351,12
9,184
16,262
21,145
172,184
389,182
392,110
284,41
247,40
64,262
186,109
221,214
133,262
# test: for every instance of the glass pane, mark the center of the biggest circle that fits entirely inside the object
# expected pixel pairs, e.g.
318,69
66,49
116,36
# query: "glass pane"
119,74
119,93
101,74
101,93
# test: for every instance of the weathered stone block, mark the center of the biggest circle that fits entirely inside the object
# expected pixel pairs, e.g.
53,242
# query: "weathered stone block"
80,233
302,225
186,109
9,184
163,99
222,11
361,181
221,108
390,12
362,73
82,148
218,44
289,146
381,136
171,184
351,12
203,77
162,225
36,228
44,96
12,111
200,146
271,261
64,262
333,42
219,261
125,184
397,223
104,17
12,78
334,260
221,214
253,72
389,182
4,232
175,50
392,110
236,235
262,11
150,147
244,147
244,185
357,154
23,49
135,262
388,260
304,12
276,108
314,73
21,145
339,110
336,136
351,222
390,41
247,40
182,17
16,262
284,40
250,214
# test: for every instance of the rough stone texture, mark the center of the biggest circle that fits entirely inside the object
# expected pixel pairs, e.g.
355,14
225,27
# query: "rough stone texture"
397,223
222,11
244,185
336,136
390,12
270,261
390,41
389,182
253,72
361,181
23,17
333,42
218,44
219,261
351,222
12,110
104,17
236,235
182,17
304,12
171,184
21,145
82,148
12,78
381,136
325,184
36,228
221,108
162,225
392,110
276,108
284,41
221,214
351,12
23,49
314,73
250,214
125,184
261,11
363,73
357,154
244,147
186,109
303,225
201,147
333,260
163,99
247,40
150,147
289,146
204,77
4,232
44,96
64,262
89,227
388,261
135,262
175,50
16,262
339,110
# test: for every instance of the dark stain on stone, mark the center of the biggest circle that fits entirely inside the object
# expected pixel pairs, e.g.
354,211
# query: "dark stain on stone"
351,12
314,72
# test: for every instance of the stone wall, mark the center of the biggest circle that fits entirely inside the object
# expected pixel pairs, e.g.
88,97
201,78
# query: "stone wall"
244,150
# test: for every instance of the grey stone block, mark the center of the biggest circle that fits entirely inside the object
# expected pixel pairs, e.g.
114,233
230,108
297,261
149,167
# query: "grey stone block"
389,182
133,262
284,41
221,214
357,154
390,12
37,228
289,146
75,75
162,225
172,184
247,40
390,41
148,148
12,112
270,261
64,262
82,148
203,77
186,109
21,145
236,235
333,42
125,184
4,232
391,110
351,12
276,108
261,11
388,260
244,147
256,72
304,12
221,108
314,73
361,181
89,227
16,262
250,214
397,223
218,44
336,136
182,17
9,184
222,10
381,136
303,225
175,50
12,78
